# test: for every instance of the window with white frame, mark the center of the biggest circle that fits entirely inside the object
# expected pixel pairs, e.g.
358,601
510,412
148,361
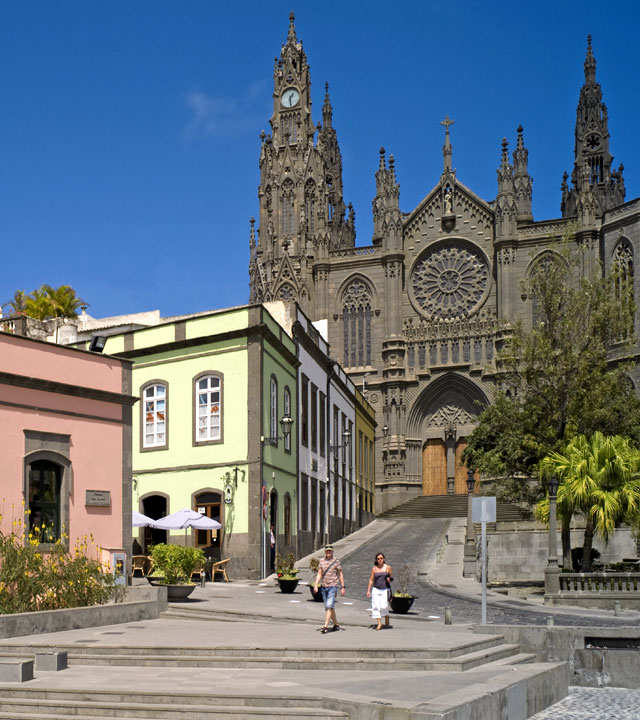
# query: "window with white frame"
287,413
273,410
154,433
209,408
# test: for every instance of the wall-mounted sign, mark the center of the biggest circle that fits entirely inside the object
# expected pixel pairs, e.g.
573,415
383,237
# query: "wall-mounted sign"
97,498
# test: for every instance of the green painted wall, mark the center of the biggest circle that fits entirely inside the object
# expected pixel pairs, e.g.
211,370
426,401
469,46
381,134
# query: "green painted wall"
276,461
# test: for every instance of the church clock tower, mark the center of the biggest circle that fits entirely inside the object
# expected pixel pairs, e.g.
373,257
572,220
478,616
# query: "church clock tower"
594,185
302,211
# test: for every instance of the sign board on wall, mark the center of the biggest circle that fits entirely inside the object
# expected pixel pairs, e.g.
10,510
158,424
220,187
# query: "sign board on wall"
97,498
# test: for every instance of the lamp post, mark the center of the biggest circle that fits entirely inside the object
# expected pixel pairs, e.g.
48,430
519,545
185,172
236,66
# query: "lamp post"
346,440
469,567
551,579
286,423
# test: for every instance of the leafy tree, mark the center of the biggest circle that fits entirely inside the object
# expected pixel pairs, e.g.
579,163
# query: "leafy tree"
600,478
567,375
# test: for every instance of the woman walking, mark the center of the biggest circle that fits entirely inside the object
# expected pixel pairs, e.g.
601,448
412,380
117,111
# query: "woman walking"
378,591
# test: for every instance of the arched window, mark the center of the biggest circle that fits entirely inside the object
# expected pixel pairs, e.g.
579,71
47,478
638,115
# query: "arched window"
623,264
289,123
208,404
273,410
288,208
310,205
44,500
287,412
154,415
543,265
356,317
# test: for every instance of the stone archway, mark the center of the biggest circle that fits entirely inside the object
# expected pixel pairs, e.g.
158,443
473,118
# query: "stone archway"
439,422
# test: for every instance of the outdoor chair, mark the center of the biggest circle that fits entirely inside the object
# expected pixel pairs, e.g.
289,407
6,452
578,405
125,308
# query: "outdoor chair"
220,568
139,563
198,571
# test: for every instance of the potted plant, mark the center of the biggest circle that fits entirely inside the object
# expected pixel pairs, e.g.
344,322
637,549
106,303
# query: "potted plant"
402,599
313,566
175,564
287,573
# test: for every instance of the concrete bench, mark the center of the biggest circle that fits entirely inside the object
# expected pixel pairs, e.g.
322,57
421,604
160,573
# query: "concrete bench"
17,671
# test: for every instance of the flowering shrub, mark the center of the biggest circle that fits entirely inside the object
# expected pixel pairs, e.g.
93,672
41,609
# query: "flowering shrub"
36,577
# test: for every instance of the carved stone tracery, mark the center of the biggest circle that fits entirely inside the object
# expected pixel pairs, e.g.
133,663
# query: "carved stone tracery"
450,280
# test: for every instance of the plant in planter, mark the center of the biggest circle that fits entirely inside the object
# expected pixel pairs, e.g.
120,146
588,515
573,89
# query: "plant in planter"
313,566
287,573
175,564
402,599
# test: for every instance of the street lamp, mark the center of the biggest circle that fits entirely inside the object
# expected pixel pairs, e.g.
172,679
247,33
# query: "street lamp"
469,568
286,423
551,573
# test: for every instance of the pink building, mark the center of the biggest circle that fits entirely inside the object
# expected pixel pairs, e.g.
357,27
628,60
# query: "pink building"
65,442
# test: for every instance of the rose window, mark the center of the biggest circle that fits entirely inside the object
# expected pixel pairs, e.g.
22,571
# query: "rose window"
450,280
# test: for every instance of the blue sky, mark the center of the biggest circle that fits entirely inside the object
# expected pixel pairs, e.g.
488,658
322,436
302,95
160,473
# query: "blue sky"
129,130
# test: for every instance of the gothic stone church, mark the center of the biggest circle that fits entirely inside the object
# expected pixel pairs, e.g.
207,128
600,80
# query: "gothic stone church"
418,312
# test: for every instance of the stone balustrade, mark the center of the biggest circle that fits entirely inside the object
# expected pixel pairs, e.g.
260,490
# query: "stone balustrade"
609,582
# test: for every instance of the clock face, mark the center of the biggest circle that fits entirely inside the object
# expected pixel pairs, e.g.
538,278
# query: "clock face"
290,98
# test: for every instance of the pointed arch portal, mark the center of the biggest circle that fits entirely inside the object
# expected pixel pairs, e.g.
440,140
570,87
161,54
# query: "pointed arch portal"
439,423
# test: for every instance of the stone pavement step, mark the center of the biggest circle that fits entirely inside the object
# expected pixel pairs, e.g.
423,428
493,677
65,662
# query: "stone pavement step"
18,708
456,658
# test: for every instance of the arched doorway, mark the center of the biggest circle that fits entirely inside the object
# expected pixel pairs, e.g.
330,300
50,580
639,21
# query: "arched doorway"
155,507
210,505
438,425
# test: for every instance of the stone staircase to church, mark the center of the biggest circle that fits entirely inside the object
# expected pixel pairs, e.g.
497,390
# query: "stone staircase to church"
451,506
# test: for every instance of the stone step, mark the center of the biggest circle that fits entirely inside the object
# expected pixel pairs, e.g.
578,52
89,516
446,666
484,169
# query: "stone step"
450,506
524,688
373,664
16,708
231,651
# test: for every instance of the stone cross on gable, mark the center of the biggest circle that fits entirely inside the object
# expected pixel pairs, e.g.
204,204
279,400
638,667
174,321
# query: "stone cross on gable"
447,149
447,122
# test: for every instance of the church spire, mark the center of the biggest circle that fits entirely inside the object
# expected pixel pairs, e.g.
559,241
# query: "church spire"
589,64
523,182
327,110
291,35
591,148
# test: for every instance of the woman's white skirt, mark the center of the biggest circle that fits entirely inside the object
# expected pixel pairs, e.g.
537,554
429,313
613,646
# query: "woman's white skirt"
379,603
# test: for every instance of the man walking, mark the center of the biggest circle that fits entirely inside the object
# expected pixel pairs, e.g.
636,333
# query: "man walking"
329,578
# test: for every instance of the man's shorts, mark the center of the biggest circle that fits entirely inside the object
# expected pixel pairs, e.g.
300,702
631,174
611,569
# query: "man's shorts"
329,596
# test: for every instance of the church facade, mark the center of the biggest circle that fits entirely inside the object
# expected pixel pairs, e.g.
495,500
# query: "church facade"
418,313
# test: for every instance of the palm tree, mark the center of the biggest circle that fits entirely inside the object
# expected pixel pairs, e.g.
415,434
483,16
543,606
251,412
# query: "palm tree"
38,305
64,300
599,477
19,302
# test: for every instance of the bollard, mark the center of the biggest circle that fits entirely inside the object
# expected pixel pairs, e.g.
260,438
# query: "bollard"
203,578
616,607
447,615
550,622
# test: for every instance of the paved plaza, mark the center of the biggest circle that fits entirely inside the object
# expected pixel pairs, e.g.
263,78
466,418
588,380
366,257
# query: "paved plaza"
249,639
